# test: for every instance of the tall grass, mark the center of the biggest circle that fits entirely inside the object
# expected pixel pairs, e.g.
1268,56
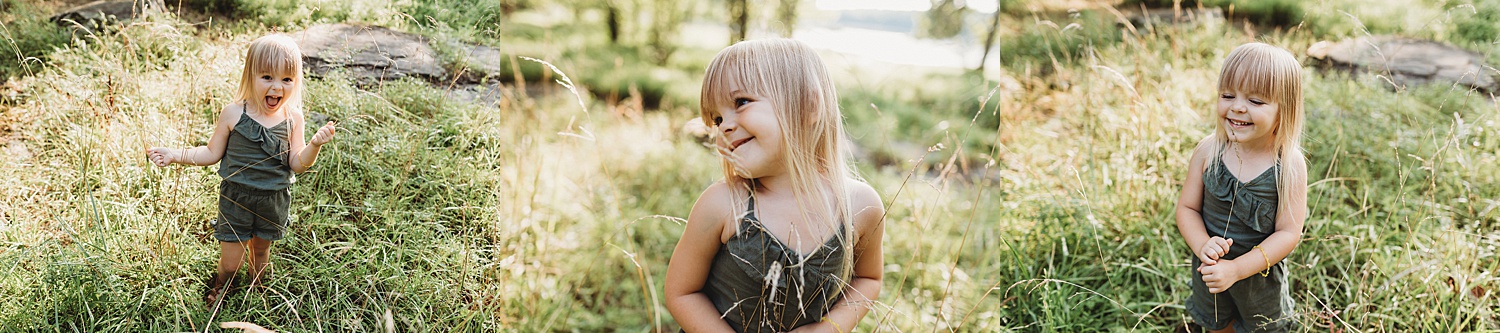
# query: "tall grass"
1043,205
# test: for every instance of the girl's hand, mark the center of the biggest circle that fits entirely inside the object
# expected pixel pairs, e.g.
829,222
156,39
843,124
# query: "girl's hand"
324,135
1215,248
1218,277
160,156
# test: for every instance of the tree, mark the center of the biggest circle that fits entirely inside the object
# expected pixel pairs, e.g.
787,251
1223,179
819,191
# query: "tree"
612,19
989,40
786,17
739,20
944,20
666,21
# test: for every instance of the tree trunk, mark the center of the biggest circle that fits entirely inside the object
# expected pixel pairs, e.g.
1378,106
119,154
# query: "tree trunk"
989,40
613,20
786,13
739,12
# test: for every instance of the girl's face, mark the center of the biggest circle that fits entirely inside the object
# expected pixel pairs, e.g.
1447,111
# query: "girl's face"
749,131
1247,118
274,88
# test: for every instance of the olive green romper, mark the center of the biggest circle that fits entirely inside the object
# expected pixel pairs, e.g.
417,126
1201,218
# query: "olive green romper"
1257,303
255,195
759,284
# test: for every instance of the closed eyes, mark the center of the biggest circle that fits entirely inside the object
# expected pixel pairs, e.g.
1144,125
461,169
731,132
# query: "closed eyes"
1255,101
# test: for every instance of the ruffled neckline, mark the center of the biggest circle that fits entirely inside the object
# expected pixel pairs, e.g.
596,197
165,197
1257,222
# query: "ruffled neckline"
1231,189
270,139
752,238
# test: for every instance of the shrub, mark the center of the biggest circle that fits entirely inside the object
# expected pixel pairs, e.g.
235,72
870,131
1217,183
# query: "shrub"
1480,26
28,38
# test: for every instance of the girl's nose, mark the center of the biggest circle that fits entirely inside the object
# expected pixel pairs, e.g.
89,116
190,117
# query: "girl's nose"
728,124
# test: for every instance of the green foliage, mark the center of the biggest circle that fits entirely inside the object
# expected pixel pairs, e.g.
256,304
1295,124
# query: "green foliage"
1048,207
1157,3
1043,43
1270,13
222,7
1479,24
26,38
944,20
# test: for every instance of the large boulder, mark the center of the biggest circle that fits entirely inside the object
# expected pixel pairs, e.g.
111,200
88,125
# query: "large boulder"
1409,61
482,61
99,13
368,53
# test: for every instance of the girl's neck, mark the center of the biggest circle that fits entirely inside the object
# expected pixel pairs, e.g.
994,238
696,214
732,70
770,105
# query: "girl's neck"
1247,151
258,111
1265,144
774,184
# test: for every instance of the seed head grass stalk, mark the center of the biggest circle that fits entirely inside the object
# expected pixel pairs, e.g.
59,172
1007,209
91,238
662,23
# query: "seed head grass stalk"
435,214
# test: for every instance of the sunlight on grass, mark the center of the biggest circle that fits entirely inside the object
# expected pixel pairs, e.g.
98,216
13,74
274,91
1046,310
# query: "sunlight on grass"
1038,202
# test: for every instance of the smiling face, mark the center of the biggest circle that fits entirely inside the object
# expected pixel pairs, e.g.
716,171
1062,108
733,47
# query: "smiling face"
776,112
749,133
272,78
1259,100
1247,118
273,89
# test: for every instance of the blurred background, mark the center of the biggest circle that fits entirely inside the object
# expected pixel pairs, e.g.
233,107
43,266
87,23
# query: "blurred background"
524,165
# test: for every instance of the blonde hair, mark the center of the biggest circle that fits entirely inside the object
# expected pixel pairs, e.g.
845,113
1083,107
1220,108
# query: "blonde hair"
1272,72
791,77
279,56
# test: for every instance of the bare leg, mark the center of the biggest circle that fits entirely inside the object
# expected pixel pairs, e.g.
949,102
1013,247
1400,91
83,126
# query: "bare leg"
231,256
260,260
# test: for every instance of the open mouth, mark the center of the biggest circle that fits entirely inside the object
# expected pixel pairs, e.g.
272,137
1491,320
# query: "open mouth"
273,101
737,143
1239,123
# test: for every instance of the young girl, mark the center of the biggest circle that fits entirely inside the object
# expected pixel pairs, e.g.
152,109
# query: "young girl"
790,240
259,139
1245,197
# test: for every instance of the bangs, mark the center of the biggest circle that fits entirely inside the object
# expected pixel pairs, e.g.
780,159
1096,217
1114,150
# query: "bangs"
732,65
1249,76
1260,69
276,57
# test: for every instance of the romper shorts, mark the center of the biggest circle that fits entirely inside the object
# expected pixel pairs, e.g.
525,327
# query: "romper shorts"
246,212
1255,304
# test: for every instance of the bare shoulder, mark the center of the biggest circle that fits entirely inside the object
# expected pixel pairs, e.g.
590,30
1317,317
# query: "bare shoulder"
862,194
866,202
232,110
1204,150
1295,160
713,208
294,115
230,114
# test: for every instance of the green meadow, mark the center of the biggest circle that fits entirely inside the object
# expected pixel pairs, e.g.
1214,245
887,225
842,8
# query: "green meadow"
1036,196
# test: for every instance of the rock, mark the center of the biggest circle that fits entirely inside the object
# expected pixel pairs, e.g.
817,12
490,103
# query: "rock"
1319,50
1410,61
483,61
368,53
99,13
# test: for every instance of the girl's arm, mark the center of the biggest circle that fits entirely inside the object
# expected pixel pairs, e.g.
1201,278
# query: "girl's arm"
200,155
869,264
1279,244
688,268
1190,203
304,155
